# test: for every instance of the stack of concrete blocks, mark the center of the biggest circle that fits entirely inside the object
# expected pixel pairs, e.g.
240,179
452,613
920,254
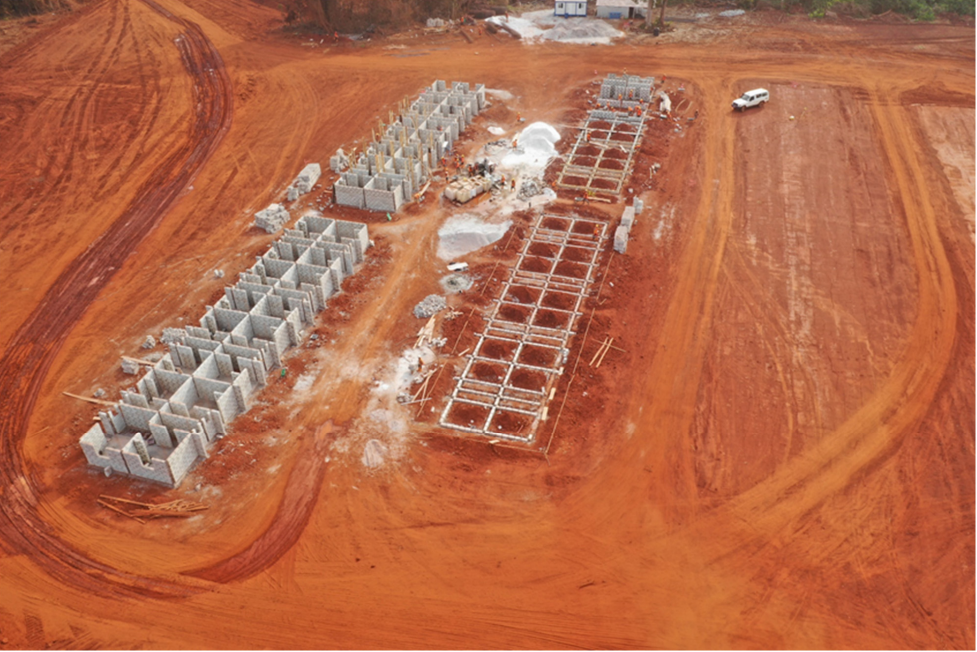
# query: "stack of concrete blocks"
614,116
208,377
272,218
623,231
339,161
304,182
395,166
625,91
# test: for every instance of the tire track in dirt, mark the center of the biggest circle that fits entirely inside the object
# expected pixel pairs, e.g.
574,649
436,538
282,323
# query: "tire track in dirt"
294,512
36,343
906,396
69,122
673,379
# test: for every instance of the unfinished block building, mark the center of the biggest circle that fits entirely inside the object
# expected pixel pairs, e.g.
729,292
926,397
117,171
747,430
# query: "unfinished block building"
393,168
625,91
211,372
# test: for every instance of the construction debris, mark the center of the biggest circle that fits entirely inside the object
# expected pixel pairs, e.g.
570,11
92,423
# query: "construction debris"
530,188
142,512
130,366
430,306
272,219
171,335
88,400
339,161
455,283
149,343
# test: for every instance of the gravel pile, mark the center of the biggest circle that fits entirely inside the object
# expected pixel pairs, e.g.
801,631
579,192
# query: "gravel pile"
430,306
530,188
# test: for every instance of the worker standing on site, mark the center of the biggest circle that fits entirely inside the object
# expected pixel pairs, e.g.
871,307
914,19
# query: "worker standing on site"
596,232
513,184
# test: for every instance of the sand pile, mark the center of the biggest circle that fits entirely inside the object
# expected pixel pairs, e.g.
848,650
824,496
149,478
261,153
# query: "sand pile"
534,151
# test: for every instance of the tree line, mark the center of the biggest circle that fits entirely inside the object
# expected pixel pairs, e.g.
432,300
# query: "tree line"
29,7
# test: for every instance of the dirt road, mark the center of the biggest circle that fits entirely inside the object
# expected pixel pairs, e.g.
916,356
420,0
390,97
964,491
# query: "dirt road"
783,456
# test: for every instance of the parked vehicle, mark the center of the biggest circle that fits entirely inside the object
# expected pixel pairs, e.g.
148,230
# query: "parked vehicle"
756,97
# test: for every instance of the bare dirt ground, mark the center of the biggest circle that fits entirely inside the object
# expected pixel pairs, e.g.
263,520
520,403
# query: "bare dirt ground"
781,456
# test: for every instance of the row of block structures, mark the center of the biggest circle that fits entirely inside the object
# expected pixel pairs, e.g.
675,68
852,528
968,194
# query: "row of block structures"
212,371
625,91
391,169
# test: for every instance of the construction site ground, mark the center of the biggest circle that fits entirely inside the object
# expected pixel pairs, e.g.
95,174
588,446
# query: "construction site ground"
779,453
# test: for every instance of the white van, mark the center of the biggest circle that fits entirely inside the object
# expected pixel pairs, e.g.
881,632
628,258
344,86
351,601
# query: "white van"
756,97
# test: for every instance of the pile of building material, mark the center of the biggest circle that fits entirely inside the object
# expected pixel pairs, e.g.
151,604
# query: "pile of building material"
272,219
623,232
467,188
400,159
430,306
339,161
184,402
529,188
304,182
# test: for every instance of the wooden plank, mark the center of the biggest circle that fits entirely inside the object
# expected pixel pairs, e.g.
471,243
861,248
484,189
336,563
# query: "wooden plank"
120,511
605,353
90,400
146,363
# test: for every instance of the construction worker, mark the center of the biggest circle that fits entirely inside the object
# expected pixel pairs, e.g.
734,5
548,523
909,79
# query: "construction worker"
596,232
513,184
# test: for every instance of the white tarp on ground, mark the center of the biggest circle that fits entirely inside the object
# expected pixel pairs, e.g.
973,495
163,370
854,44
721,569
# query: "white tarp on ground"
465,233
527,29
535,26
534,151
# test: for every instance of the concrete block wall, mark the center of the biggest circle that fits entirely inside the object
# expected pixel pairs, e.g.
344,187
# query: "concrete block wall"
213,370
627,87
98,452
157,470
190,448
397,162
